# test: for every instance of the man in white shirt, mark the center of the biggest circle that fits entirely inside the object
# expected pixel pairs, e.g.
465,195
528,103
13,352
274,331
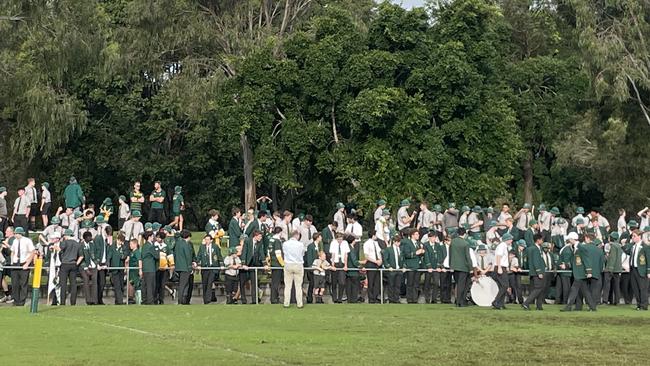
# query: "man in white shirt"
22,254
307,230
522,219
133,228
46,203
286,225
403,217
293,251
425,219
501,273
339,217
379,212
579,215
339,250
639,269
354,228
504,214
382,229
372,253
544,219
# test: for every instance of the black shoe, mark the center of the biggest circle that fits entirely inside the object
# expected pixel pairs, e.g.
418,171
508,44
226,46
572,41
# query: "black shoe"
525,307
566,309
594,309
503,307
496,307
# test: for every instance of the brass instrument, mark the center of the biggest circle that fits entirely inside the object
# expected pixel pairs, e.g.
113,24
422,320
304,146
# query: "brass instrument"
106,212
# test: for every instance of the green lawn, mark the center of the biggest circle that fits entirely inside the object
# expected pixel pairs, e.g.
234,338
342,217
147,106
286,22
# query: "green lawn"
319,335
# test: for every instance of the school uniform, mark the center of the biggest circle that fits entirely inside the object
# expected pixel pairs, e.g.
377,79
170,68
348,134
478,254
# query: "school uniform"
275,253
208,256
251,256
234,232
612,274
639,268
501,279
412,263
311,254
183,256
445,275
150,256
431,279
597,260
536,268
116,257
21,249
21,208
352,278
564,278
338,250
393,261
89,273
157,211
579,265
372,253
100,248
70,251
461,263
232,277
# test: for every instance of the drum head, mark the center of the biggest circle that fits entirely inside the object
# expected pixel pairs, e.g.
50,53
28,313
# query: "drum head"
484,291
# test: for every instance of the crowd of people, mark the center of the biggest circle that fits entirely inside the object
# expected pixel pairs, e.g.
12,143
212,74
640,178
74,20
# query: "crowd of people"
423,254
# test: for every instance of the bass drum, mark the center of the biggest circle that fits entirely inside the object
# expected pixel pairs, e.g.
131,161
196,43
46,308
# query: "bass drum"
484,291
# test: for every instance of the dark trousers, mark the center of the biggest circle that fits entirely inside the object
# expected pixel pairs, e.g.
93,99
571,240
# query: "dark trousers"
412,286
231,288
563,289
611,283
117,279
352,289
502,282
89,277
310,288
148,286
374,285
4,223
207,277
190,288
538,291
626,287
244,276
184,289
431,287
596,287
276,282
101,283
517,293
461,279
19,280
157,215
159,289
445,287
580,287
338,283
68,273
639,287
394,283
21,221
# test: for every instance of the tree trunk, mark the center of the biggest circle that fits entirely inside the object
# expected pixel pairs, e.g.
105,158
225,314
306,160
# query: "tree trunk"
249,180
528,177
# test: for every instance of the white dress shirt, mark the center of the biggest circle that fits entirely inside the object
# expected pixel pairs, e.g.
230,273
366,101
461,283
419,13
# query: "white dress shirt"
293,251
502,252
371,250
23,247
338,250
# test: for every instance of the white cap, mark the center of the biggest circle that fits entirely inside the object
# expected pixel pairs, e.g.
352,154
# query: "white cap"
572,236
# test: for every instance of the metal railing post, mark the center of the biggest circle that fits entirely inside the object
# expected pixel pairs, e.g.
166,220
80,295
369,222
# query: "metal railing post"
381,285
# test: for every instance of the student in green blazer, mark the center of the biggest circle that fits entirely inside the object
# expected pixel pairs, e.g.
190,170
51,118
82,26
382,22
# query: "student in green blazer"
461,263
352,275
639,268
579,266
536,271
209,256
310,256
252,255
597,259
234,228
393,261
613,269
150,257
433,264
116,258
184,258
564,279
413,252
277,260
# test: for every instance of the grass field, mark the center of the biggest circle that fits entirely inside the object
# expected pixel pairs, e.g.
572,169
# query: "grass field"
322,335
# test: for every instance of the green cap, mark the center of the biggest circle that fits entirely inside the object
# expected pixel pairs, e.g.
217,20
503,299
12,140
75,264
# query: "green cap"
476,209
136,213
482,247
580,210
521,243
148,226
451,230
561,221
532,222
232,250
451,205
3,189
108,201
490,210
339,205
385,211
465,208
19,230
597,241
633,223
156,226
122,198
100,219
437,208
466,226
86,224
546,245
555,211
168,229
68,232
614,235
492,223
301,216
405,202
506,237
527,205
381,202
542,207
646,229
55,220
77,214
590,230
2,236
46,185
178,189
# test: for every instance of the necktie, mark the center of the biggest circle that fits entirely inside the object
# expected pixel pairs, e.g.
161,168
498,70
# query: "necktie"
340,256
210,255
374,245
34,195
482,262
20,200
19,245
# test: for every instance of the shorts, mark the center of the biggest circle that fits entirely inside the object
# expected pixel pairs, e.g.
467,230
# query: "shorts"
33,210
176,214
46,209
319,281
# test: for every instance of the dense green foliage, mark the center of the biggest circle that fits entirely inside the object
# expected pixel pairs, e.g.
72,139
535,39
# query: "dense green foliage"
344,100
